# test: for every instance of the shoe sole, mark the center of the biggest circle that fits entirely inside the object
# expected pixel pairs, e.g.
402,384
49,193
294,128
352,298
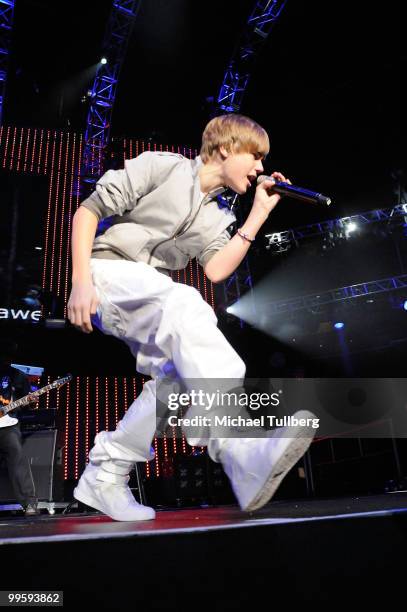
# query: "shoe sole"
278,473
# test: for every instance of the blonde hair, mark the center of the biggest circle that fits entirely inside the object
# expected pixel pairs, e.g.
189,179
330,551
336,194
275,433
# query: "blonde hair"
237,133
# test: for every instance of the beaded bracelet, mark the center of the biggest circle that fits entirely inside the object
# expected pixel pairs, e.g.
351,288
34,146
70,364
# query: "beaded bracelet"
245,236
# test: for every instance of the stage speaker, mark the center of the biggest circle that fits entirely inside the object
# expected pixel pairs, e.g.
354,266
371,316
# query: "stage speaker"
43,449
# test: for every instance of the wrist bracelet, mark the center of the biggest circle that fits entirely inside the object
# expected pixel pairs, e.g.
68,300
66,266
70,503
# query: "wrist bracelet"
245,236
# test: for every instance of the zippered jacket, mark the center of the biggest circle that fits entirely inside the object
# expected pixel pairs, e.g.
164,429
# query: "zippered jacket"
157,213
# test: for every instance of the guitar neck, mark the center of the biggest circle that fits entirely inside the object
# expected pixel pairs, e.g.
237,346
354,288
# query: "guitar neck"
27,399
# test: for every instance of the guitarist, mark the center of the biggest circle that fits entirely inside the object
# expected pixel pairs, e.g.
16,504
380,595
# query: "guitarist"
13,385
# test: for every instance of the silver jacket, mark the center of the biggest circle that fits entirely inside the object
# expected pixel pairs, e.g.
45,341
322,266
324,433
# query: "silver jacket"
157,214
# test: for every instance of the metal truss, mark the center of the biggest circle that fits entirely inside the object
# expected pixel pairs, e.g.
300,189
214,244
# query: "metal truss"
240,281
338,228
336,295
257,30
6,24
230,97
103,93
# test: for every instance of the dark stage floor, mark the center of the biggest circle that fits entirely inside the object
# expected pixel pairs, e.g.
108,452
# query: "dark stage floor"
96,526
348,551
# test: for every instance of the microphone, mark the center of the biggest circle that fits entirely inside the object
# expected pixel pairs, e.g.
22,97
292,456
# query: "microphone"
295,192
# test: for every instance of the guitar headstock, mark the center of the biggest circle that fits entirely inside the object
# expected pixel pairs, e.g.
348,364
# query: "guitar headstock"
61,381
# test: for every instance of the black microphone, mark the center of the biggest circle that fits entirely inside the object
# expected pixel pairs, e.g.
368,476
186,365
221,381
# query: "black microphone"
295,192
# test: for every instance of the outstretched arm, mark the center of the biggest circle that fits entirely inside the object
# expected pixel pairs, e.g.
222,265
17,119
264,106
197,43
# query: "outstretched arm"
83,300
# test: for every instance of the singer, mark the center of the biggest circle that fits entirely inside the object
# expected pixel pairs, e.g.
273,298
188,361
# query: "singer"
165,212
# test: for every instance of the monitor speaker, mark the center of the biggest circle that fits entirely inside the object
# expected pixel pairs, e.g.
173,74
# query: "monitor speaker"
43,449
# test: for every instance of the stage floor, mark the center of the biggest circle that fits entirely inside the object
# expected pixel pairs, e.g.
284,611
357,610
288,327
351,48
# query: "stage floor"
87,526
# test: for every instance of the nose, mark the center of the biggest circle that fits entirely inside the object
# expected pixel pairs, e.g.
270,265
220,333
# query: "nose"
259,167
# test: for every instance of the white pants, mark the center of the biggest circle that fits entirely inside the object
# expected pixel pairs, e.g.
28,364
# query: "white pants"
170,329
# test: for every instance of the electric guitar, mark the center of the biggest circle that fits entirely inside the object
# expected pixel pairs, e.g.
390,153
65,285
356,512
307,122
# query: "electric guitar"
27,399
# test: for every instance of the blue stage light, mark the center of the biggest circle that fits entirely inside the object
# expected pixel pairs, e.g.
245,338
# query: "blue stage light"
339,325
405,305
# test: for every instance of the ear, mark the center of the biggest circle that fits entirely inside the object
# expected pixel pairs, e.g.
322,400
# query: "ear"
224,152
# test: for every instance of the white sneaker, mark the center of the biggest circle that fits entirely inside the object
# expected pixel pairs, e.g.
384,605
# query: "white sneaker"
256,466
112,498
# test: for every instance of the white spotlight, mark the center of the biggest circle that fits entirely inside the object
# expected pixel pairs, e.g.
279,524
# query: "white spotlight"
103,60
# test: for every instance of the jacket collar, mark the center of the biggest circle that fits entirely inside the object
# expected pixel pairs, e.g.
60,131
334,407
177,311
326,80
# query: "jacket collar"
211,195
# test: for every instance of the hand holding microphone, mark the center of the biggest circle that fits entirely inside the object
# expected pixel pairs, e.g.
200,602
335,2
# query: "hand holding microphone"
285,188
266,199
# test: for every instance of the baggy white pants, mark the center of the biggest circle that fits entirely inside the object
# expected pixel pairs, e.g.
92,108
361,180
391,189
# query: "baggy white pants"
170,329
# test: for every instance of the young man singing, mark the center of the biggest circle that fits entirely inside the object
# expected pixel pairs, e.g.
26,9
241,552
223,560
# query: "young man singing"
164,211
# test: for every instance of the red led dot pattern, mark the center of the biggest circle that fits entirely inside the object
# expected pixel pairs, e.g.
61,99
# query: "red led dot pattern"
88,404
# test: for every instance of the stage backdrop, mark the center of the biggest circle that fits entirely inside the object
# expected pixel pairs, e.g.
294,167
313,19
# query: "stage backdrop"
45,164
